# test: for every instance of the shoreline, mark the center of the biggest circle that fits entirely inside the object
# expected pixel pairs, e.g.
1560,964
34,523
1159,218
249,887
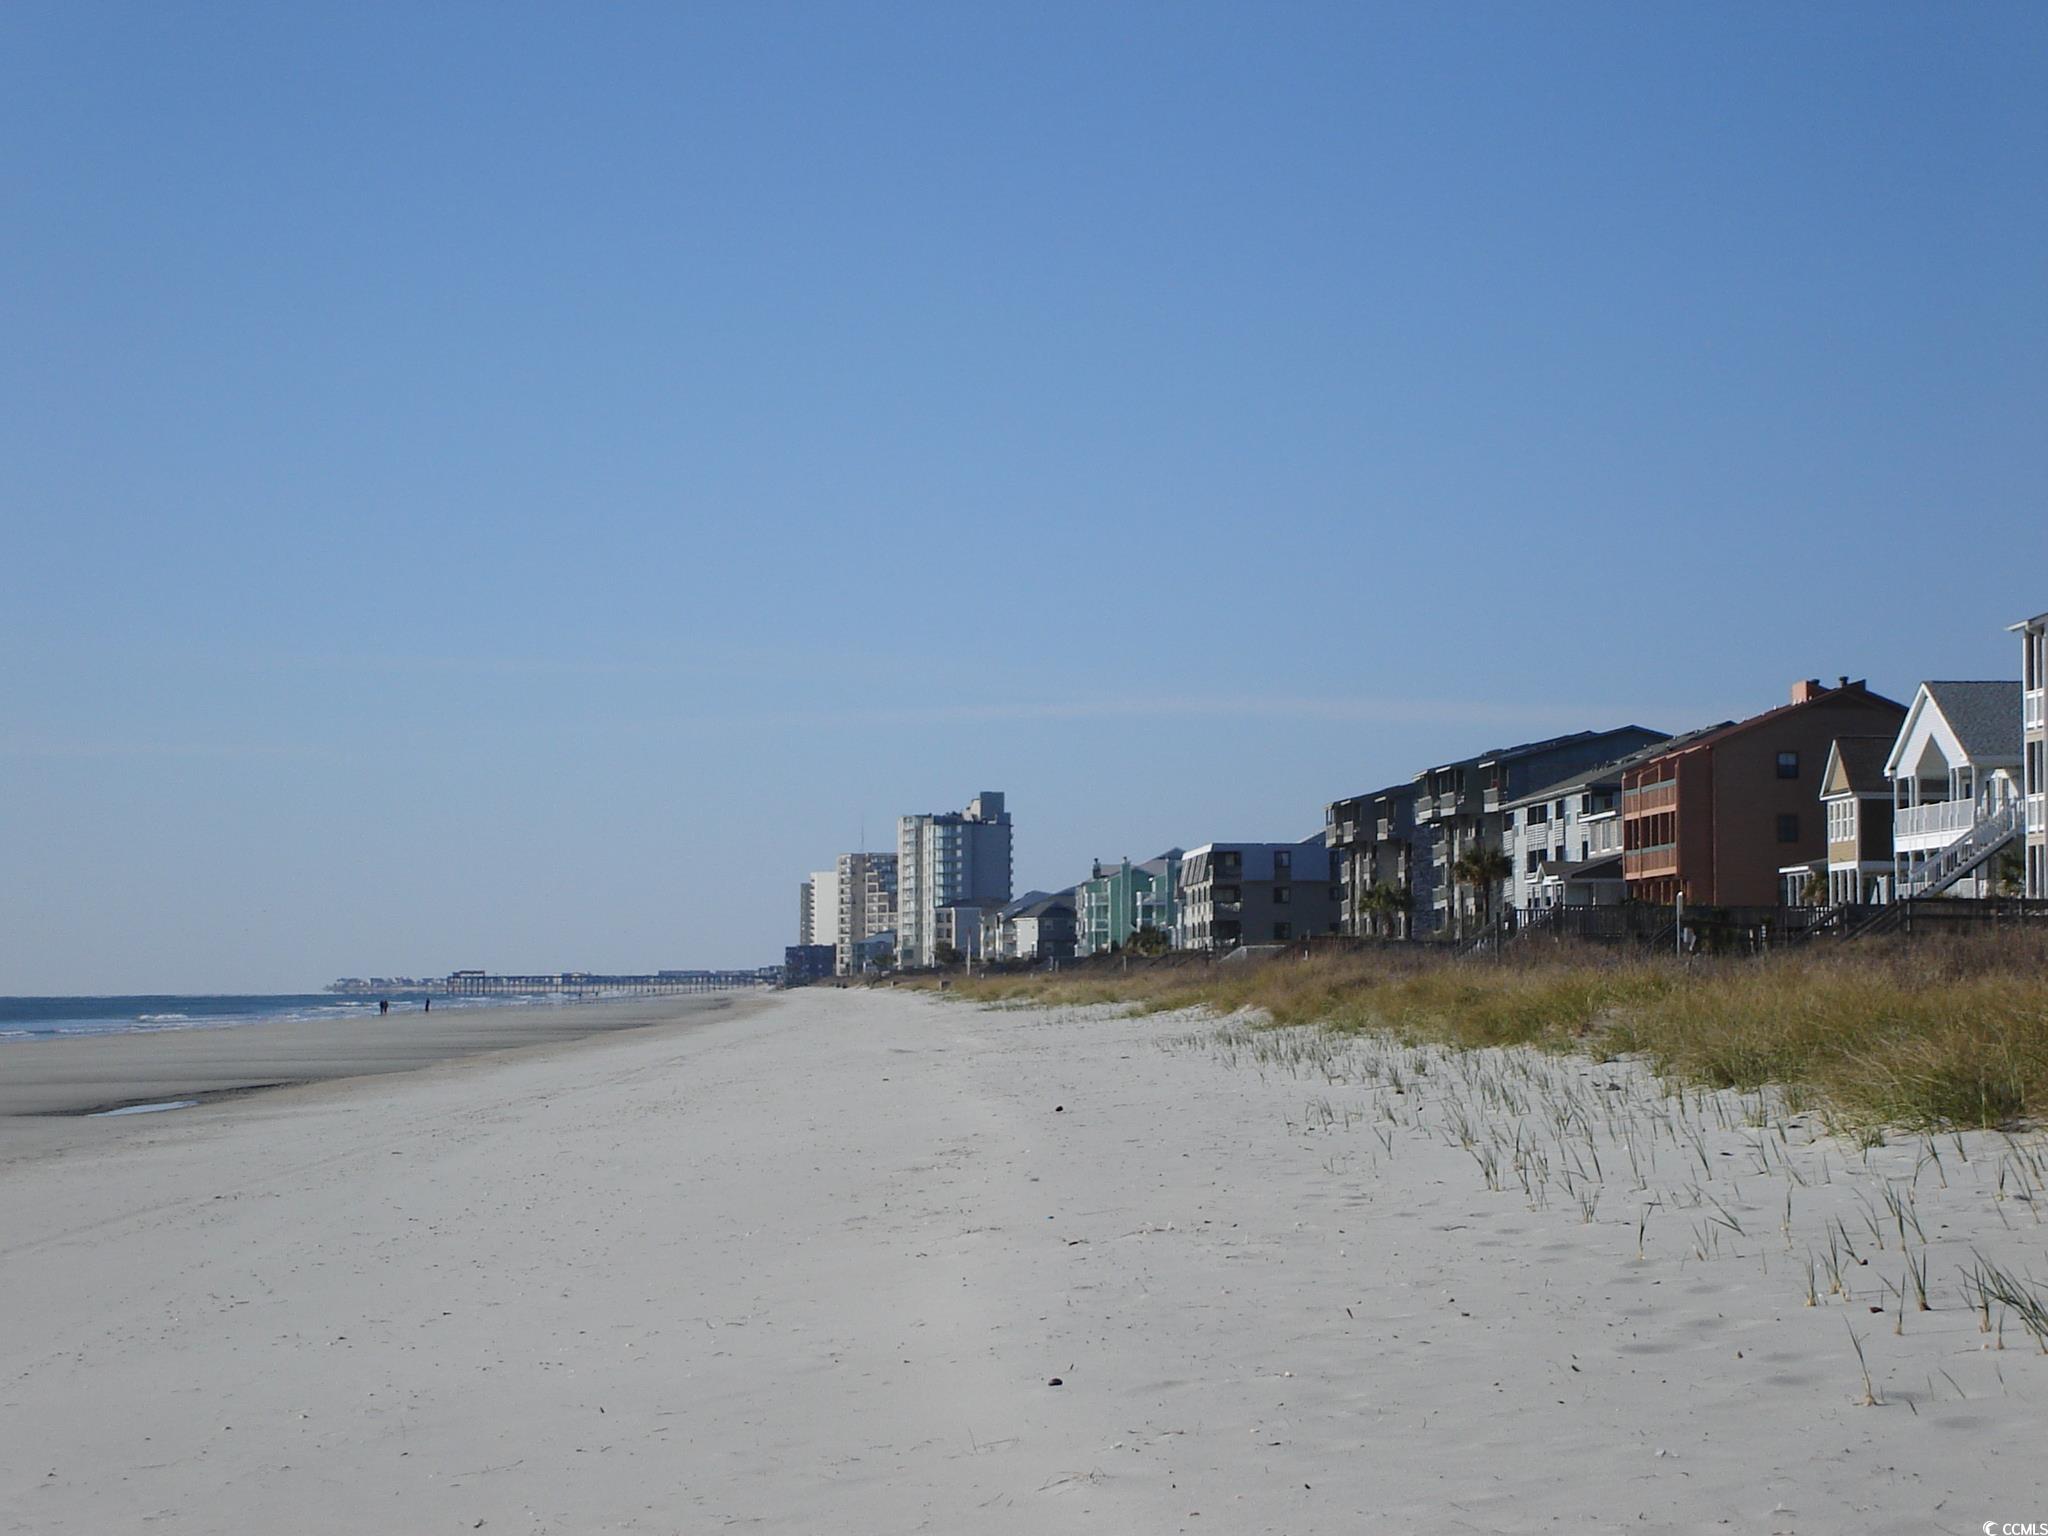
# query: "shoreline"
57,1091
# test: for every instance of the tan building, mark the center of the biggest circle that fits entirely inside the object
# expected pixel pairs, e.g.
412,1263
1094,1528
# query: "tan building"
867,907
1856,799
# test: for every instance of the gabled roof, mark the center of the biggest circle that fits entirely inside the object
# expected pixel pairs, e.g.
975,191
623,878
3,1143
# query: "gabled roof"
1943,711
1861,761
1984,716
2038,621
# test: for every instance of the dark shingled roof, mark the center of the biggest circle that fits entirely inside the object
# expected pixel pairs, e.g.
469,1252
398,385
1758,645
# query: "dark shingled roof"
1863,759
1612,769
1984,716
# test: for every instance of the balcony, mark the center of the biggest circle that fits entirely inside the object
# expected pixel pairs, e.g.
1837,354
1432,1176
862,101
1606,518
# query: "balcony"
1657,859
1946,819
1651,797
2037,813
2036,707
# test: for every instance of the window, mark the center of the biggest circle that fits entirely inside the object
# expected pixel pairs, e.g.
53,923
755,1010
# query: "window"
1788,829
1283,931
1283,864
1788,767
1282,894
1841,820
1538,815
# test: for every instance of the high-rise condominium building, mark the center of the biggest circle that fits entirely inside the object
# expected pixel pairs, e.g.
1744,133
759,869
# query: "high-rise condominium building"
944,861
818,920
867,903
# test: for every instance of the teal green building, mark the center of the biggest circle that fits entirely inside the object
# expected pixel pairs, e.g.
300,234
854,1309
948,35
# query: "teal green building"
1119,899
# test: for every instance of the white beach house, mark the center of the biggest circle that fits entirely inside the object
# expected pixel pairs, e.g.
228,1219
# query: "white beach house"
1956,791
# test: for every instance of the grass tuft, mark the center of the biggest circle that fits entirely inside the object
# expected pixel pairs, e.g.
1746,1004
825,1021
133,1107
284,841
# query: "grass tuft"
1936,1035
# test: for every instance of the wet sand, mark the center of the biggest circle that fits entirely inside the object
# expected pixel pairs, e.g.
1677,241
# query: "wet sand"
46,1086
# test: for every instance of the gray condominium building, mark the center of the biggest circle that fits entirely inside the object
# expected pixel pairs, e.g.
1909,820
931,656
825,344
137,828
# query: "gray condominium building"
1460,806
944,862
1254,893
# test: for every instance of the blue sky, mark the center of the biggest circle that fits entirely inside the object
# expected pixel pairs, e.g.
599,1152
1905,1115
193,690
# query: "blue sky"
517,486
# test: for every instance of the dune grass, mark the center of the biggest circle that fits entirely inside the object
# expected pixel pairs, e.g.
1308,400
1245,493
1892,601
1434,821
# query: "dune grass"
1929,1035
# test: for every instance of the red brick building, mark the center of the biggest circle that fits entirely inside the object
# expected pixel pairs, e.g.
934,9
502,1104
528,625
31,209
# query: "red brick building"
1719,816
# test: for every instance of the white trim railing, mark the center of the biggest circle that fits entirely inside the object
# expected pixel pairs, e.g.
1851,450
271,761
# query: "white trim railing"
1944,818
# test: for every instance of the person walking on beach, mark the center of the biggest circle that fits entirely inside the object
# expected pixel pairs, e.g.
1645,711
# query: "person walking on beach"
383,1005
427,1006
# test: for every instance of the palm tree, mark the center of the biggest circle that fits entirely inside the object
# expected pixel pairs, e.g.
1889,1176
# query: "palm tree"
1384,902
1482,868
2009,873
1148,940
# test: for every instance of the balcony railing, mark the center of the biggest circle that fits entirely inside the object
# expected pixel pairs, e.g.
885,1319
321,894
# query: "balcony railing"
2036,708
1944,818
2037,812
1650,797
1658,859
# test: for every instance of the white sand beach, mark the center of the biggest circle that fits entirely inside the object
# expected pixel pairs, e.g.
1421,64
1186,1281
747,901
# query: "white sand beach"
813,1267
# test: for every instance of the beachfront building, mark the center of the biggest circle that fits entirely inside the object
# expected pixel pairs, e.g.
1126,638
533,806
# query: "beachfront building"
803,964
1370,839
867,905
945,862
2033,635
1460,806
1955,770
1233,894
1038,925
1116,900
1856,800
1715,816
1563,842
818,909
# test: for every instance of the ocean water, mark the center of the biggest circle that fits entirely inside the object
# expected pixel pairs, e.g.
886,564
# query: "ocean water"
42,1018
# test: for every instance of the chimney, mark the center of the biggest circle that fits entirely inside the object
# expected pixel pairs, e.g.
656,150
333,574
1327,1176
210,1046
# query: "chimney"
1806,692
